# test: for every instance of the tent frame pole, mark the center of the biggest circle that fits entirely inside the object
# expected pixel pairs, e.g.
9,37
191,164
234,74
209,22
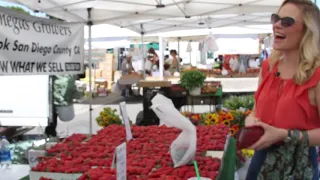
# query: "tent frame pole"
161,60
90,23
179,38
143,50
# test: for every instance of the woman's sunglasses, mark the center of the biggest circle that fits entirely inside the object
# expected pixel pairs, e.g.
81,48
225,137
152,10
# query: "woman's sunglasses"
285,21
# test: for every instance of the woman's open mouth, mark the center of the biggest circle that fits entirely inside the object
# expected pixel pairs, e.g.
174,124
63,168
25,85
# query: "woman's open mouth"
279,36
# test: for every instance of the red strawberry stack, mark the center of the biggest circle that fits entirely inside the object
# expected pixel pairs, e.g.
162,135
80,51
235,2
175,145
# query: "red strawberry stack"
148,154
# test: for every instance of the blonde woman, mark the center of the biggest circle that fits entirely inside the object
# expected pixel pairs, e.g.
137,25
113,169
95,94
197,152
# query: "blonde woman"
288,98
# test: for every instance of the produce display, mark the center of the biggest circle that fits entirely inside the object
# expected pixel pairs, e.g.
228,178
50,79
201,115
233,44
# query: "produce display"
217,73
234,119
210,87
253,70
148,154
239,102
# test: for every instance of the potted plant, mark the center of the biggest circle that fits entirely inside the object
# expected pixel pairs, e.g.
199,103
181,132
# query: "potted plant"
64,93
192,81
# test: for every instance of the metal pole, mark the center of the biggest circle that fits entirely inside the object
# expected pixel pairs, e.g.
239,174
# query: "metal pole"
161,63
190,53
90,70
94,73
179,38
143,55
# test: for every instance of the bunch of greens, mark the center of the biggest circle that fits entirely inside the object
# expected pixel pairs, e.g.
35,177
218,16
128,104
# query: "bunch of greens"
236,102
65,90
19,150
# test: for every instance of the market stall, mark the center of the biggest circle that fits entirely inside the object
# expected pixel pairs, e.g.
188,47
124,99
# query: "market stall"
139,17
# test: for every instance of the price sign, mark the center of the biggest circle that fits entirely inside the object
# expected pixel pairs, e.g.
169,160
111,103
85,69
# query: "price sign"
33,156
125,117
120,161
241,109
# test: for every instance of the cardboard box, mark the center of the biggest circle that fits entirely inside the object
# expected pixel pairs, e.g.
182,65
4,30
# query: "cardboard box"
96,73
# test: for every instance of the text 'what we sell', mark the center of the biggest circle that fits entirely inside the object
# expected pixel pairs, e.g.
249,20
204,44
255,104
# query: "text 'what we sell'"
38,67
34,47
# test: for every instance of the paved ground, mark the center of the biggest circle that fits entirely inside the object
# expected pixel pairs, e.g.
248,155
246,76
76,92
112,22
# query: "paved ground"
81,122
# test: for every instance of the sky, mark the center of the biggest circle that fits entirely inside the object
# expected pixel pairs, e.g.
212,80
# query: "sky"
6,4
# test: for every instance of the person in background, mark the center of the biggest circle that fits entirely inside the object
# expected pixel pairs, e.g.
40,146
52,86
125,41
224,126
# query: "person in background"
154,58
166,72
217,64
174,62
126,69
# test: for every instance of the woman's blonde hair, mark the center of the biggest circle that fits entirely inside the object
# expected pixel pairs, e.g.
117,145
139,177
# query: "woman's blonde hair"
309,48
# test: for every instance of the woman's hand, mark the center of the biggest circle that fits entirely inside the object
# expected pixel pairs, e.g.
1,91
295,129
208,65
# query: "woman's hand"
250,120
271,136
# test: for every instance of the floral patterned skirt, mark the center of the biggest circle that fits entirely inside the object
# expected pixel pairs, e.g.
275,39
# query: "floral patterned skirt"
284,165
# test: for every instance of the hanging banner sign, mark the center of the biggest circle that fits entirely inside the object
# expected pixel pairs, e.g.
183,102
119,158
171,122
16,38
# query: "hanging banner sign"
32,45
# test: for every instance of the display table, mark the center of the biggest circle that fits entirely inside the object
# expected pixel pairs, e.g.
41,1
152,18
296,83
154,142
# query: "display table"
17,172
231,85
92,157
214,99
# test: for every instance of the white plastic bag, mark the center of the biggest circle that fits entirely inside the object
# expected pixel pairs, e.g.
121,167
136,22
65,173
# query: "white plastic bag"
161,100
183,148
115,88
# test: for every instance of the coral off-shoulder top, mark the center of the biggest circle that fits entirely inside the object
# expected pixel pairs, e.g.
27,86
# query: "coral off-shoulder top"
288,107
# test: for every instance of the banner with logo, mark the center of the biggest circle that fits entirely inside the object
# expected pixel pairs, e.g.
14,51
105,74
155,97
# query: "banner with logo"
32,45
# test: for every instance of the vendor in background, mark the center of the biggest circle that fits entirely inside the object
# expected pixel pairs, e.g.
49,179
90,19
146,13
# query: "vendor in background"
127,69
151,61
218,62
174,62
126,66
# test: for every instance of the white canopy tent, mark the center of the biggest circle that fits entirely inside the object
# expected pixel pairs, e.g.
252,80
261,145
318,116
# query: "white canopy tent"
159,15
155,16
105,32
